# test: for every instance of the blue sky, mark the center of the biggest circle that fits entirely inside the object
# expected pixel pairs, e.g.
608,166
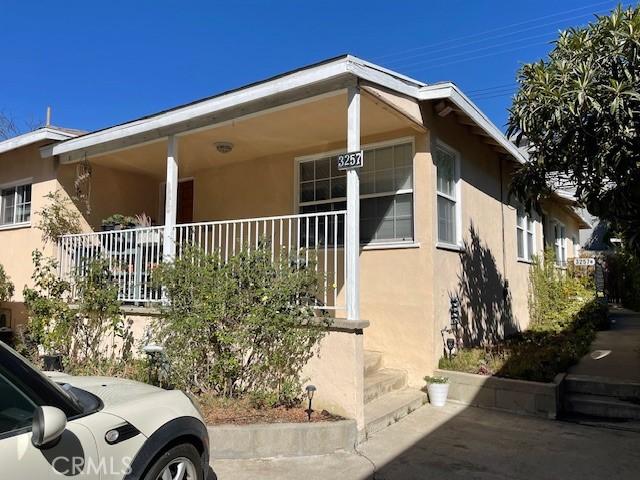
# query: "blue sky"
102,63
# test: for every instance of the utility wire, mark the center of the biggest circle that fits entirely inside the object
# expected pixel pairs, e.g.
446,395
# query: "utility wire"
499,29
491,37
427,62
477,57
549,36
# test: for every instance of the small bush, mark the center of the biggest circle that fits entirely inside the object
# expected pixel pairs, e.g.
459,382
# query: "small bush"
6,286
59,217
238,328
88,331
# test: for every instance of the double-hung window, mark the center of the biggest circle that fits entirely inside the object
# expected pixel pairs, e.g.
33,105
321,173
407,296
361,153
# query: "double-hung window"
525,235
15,205
447,191
386,191
560,244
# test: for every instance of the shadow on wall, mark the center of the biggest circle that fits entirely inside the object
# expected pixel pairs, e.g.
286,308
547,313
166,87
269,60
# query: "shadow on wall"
485,299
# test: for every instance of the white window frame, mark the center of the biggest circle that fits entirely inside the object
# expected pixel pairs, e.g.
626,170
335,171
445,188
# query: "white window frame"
576,245
18,183
528,217
560,243
439,144
369,146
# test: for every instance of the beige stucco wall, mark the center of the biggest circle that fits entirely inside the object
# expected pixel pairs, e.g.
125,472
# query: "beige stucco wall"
113,191
16,244
491,283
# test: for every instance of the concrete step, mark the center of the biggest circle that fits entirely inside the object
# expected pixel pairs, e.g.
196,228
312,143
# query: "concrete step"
602,386
391,407
372,362
383,381
600,406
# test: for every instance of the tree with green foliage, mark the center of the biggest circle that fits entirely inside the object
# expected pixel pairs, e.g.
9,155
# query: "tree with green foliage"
579,111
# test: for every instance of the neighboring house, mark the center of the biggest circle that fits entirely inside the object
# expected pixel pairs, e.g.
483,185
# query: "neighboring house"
428,216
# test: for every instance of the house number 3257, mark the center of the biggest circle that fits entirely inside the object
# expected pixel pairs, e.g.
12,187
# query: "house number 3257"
350,160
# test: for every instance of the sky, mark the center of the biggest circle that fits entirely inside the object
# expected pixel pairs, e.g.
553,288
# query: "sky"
102,63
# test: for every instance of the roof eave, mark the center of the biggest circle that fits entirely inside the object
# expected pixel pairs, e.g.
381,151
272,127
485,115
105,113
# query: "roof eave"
451,92
39,135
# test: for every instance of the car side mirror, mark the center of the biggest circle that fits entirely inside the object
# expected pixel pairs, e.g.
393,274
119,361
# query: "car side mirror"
49,424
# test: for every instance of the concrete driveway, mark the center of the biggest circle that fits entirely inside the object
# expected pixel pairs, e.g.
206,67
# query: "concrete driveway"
457,442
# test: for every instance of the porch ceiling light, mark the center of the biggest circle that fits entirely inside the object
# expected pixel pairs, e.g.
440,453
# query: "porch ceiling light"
224,147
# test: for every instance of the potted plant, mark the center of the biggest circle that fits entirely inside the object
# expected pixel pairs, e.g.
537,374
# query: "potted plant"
112,222
438,389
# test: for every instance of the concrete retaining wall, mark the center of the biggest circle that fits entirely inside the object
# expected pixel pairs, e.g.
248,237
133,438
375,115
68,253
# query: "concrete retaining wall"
516,396
281,439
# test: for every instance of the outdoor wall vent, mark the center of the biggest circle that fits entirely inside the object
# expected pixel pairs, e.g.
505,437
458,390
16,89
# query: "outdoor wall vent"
224,147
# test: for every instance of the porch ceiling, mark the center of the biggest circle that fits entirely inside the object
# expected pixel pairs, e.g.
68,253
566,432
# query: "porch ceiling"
306,127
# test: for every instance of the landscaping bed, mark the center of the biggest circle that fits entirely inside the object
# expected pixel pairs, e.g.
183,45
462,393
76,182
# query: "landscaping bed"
565,316
219,411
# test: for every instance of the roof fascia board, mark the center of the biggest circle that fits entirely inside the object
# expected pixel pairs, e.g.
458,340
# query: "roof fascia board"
34,137
384,79
165,121
451,92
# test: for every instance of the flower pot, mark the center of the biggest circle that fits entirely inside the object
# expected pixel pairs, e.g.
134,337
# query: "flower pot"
438,394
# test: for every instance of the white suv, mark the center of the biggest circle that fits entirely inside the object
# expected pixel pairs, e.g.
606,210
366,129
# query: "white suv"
95,428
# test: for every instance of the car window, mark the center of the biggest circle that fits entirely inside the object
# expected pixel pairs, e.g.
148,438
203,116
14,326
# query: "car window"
16,409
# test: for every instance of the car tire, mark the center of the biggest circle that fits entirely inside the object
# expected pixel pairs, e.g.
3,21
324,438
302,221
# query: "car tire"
184,456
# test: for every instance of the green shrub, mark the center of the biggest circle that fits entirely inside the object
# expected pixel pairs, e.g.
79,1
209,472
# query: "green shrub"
88,331
59,217
6,286
623,279
238,328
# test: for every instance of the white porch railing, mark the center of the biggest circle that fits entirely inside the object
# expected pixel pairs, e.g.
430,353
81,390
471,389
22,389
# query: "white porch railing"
315,239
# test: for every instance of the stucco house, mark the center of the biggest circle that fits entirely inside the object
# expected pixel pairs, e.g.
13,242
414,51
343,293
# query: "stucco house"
427,216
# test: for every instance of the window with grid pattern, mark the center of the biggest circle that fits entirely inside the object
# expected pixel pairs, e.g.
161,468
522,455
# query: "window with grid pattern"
15,205
447,195
525,235
386,191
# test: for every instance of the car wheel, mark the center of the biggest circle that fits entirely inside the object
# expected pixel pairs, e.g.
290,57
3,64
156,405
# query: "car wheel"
179,463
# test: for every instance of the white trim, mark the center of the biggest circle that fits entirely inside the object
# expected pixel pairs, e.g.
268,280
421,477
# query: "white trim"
46,133
560,243
15,226
528,258
171,199
352,222
369,146
391,245
16,184
458,191
449,246
451,92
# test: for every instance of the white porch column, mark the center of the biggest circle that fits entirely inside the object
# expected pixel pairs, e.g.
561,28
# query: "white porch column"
171,200
353,207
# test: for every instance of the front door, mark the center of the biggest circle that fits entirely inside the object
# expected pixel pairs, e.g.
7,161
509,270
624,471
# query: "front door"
184,211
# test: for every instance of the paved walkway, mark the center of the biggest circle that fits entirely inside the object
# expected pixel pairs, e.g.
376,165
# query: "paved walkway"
623,341
457,442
